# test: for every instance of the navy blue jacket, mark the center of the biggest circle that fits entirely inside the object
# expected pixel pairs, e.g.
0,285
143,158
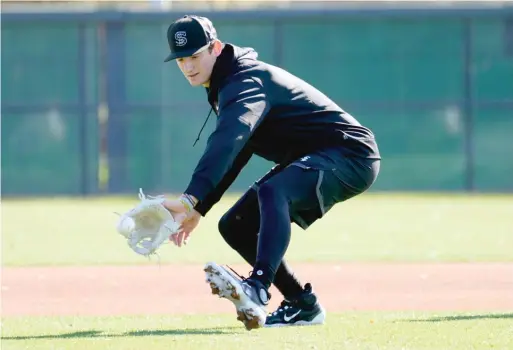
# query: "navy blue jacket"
265,110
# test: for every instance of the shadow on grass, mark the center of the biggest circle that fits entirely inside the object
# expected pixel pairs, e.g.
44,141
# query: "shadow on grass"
462,318
139,333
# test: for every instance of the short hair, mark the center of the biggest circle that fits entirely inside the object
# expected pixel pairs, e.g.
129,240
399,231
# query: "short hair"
211,47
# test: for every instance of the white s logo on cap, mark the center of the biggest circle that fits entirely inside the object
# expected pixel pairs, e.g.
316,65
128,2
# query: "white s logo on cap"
180,38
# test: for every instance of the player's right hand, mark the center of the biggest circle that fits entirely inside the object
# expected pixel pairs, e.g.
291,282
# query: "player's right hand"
186,227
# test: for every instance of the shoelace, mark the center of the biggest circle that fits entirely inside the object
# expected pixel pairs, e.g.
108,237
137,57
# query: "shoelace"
285,304
236,274
242,278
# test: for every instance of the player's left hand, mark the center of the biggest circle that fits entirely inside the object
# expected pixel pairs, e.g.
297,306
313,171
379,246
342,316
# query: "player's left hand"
149,224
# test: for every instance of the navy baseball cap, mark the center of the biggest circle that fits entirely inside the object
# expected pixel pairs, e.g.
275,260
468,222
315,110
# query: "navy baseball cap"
189,35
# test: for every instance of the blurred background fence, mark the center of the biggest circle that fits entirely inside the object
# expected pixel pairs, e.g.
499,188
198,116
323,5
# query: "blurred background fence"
89,106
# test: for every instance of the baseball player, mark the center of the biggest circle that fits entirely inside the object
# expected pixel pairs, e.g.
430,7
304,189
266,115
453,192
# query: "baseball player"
323,156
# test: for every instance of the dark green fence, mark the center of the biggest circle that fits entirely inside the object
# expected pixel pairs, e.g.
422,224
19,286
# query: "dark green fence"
436,86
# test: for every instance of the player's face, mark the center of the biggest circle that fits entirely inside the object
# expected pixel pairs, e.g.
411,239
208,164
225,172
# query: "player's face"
197,69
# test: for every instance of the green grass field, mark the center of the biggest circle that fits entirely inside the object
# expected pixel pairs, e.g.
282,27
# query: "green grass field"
373,227
422,331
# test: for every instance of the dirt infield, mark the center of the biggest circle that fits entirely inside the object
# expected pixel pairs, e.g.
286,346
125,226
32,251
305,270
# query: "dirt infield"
178,289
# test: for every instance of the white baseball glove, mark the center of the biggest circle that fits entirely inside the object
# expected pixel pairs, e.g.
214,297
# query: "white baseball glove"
148,225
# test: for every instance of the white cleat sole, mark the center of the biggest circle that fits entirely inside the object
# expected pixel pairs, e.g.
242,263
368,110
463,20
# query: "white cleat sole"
225,285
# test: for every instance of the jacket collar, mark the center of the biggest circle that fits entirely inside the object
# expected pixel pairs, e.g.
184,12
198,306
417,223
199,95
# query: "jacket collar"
221,71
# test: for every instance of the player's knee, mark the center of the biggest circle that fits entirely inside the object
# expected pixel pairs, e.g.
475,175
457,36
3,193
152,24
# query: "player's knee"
225,227
269,189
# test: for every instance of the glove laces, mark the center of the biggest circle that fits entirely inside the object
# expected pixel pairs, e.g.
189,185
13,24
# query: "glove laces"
142,196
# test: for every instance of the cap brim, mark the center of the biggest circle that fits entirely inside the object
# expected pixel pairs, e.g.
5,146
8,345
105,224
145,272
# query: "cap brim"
175,55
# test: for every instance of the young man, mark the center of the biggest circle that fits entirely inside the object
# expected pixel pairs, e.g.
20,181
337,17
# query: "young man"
324,156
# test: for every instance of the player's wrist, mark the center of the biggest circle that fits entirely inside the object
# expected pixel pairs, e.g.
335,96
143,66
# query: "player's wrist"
194,199
188,201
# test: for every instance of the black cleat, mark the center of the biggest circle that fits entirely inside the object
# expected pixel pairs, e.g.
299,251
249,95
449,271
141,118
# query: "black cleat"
301,311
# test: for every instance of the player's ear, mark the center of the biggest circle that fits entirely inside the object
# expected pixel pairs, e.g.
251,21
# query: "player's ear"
218,48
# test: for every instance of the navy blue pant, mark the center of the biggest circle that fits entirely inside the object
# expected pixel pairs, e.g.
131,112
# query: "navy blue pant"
258,225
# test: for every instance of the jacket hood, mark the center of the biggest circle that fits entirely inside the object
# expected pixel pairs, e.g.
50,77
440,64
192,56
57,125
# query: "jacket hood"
231,60
242,54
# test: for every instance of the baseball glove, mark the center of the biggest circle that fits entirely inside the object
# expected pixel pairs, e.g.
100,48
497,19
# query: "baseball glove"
147,226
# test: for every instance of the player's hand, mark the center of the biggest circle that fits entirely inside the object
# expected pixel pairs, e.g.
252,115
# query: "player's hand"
188,225
182,211
177,209
181,206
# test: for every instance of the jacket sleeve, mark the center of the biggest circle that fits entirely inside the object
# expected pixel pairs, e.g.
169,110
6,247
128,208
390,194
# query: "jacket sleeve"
213,197
242,106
